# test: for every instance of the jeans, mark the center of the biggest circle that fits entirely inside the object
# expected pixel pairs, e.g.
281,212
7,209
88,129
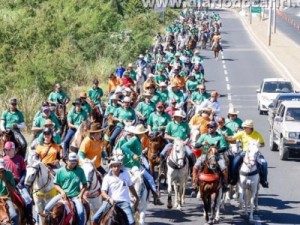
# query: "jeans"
78,205
125,206
14,219
114,135
66,142
149,178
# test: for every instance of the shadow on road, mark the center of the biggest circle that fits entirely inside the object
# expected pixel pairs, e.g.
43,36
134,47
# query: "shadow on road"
274,202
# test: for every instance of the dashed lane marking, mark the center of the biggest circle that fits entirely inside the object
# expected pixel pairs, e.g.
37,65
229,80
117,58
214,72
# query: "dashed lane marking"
225,72
226,78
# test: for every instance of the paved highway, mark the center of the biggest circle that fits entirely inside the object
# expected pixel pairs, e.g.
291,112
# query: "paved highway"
236,75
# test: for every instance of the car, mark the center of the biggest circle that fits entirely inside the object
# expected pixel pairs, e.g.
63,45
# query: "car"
272,108
269,89
285,134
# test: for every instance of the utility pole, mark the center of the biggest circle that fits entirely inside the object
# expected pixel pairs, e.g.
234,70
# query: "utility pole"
270,22
274,17
250,12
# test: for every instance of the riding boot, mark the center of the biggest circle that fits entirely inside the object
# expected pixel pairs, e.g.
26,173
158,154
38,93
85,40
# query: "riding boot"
224,175
161,166
156,200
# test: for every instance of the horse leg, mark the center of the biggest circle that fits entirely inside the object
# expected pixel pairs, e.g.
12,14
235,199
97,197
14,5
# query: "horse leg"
176,193
217,208
241,196
169,205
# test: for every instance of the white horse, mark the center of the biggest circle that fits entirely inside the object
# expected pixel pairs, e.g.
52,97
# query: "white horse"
40,179
93,192
249,179
138,182
178,167
140,79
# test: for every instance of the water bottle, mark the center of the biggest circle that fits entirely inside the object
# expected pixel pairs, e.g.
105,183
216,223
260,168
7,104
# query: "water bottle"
25,196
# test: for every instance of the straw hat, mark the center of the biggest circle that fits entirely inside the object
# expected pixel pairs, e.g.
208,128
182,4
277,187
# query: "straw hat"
248,123
180,113
207,110
95,128
138,129
82,95
126,99
233,111
48,122
130,65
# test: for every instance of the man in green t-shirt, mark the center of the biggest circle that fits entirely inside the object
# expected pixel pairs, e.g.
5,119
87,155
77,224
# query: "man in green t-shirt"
7,184
213,138
158,120
58,96
12,118
95,94
145,108
75,119
67,182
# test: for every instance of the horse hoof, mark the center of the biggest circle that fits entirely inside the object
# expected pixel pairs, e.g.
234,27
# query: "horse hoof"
193,194
179,207
169,206
216,220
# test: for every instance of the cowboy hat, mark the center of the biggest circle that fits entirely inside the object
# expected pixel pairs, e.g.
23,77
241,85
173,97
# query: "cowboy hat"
48,122
114,160
141,56
233,111
201,86
163,84
248,123
77,102
130,65
126,99
208,110
173,84
127,89
138,129
82,95
118,89
95,128
114,97
179,113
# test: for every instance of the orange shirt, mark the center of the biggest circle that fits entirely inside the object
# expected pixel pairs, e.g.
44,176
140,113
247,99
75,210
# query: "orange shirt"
112,84
92,148
199,120
180,81
48,152
148,82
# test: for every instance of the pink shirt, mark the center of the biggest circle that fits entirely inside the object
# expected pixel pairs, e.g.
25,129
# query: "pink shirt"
16,165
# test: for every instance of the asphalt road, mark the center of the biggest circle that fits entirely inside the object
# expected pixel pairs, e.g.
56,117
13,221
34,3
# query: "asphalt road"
236,76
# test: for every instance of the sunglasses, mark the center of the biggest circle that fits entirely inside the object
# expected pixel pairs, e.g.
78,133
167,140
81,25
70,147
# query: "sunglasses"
159,107
13,103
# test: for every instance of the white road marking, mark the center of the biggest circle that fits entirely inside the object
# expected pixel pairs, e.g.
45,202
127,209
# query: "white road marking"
229,99
226,78
225,72
228,87
223,62
224,67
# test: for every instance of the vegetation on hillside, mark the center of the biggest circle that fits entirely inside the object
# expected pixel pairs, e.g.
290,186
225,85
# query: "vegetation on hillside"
70,42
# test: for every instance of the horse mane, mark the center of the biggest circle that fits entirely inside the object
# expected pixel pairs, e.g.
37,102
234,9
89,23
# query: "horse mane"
114,216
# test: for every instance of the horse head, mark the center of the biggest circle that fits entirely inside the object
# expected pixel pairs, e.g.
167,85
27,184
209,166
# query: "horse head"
211,158
32,172
252,153
89,169
178,153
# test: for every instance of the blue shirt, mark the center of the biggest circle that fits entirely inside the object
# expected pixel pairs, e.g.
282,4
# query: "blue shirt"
120,71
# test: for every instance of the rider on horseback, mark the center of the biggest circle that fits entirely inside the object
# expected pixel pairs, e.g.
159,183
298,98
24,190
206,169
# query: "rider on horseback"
212,138
246,136
115,189
58,96
67,182
233,122
145,108
7,185
95,94
12,118
216,39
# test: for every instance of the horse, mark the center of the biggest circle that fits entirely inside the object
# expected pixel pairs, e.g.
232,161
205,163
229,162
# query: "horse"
107,133
156,146
216,49
93,192
178,168
4,211
142,191
114,216
97,114
192,43
203,40
210,186
249,179
39,178
78,137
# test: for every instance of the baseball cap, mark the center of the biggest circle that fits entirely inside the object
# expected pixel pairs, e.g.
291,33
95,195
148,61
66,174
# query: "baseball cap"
9,145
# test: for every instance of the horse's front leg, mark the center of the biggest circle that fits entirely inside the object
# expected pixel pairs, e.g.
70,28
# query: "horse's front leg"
176,195
169,205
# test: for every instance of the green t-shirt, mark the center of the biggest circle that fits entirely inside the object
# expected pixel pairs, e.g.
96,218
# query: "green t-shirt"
131,147
198,75
225,131
58,96
213,139
164,96
159,78
56,138
157,120
178,96
197,58
76,118
39,113
145,109
181,131
132,75
10,118
124,114
40,121
69,180
198,97
110,109
95,95
191,85
86,107
234,125
120,142
10,178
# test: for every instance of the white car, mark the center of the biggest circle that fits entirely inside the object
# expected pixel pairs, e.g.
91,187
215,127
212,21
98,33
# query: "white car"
268,91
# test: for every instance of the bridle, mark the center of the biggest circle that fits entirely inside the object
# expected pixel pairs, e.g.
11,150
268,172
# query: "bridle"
38,170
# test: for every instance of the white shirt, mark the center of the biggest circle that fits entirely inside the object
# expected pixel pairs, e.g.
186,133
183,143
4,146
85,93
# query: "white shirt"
215,106
117,187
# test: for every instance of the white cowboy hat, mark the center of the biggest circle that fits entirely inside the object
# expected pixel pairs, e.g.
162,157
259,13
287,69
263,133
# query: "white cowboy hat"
115,160
233,111
180,113
141,56
151,75
138,129
163,84
248,123
126,99
127,89
114,97
130,65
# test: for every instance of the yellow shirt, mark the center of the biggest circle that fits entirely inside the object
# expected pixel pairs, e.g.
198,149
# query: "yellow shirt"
48,152
91,149
113,83
199,120
179,81
247,138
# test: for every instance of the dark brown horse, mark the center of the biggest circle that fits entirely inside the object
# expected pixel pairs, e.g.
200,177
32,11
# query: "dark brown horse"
107,133
59,214
192,43
114,216
216,49
97,115
156,146
210,186
61,114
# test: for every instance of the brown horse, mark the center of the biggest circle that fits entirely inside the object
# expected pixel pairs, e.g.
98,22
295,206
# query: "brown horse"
97,115
4,211
156,146
210,186
107,133
114,216
15,137
216,49
78,137
61,114
59,214
192,43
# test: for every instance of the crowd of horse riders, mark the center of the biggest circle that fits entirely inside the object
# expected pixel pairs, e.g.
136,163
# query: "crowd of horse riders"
135,127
